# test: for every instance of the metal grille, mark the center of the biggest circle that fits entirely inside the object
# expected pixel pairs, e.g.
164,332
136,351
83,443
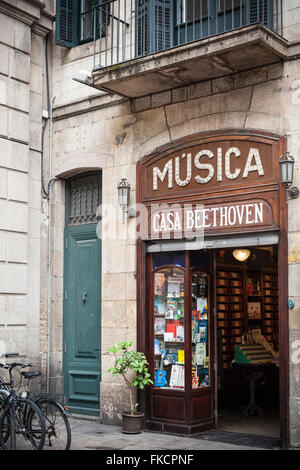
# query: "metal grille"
83,198
141,27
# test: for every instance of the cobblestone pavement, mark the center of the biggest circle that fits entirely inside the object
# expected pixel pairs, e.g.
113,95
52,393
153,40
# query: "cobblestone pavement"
91,435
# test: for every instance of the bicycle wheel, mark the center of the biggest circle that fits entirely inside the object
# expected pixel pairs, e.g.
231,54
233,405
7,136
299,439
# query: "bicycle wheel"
7,429
58,430
29,433
12,429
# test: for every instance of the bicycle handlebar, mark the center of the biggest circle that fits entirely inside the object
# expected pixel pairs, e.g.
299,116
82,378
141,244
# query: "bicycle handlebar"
10,355
15,364
12,365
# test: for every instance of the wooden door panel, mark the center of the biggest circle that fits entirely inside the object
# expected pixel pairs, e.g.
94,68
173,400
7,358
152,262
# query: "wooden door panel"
83,386
82,313
86,301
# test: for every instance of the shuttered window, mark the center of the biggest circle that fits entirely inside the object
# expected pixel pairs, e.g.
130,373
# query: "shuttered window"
163,26
160,24
154,26
66,22
261,11
143,23
77,19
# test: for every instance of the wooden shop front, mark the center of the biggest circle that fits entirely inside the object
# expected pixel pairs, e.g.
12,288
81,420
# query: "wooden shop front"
201,198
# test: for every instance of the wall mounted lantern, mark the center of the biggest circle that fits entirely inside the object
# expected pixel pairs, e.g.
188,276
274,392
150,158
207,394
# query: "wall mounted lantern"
287,163
124,195
124,198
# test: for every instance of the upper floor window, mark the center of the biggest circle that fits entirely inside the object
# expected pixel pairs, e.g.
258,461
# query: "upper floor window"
80,21
86,20
153,25
191,10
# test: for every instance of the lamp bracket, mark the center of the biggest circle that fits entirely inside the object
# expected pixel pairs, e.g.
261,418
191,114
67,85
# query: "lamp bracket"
131,212
293,192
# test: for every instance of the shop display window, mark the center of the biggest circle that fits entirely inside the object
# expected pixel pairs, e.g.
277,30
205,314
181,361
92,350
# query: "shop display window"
181,321
200,331
169,333
203,313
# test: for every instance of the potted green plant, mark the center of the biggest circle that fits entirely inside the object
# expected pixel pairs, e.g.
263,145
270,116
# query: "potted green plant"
133,368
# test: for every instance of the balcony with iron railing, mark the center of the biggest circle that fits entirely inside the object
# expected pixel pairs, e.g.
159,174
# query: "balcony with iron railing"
147,46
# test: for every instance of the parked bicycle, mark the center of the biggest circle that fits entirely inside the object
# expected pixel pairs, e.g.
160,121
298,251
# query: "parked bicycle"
58,430
22,424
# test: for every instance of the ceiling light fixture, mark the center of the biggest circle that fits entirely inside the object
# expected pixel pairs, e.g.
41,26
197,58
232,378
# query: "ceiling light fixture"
241,254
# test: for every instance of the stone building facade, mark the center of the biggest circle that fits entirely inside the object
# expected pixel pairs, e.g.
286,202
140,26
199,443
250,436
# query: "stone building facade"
24,28
96,131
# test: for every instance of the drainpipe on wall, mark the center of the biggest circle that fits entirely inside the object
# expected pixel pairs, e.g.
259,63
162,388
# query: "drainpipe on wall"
48,193
49,241
46,116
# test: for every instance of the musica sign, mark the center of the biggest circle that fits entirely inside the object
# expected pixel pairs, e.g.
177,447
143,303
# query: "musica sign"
224,184
217,164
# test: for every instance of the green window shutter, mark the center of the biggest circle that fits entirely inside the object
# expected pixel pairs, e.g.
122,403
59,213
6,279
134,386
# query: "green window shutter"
154,26
142,27
66,22
261,11
162,25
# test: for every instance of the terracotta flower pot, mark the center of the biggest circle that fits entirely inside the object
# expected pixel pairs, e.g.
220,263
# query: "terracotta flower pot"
132,424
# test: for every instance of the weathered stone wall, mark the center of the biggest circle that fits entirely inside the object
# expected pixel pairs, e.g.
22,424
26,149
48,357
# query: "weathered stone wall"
268,99
21,100
291,20
265,98
14,154
93,131
23,27
88,124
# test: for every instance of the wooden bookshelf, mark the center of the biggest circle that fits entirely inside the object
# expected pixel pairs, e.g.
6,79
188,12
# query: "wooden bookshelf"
236,288
270,307
230,310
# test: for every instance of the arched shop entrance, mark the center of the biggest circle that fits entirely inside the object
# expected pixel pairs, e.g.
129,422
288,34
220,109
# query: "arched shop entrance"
214,326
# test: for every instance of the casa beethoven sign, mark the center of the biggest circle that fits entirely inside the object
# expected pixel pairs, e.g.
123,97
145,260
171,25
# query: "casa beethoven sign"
222,185
187,221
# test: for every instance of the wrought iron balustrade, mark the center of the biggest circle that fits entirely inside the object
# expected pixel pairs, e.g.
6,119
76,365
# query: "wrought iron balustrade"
128,29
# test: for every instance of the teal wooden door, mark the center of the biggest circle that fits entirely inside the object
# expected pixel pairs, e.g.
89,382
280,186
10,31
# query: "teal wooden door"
82,314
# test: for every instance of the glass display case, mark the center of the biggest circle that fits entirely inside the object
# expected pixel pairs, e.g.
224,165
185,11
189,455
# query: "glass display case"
169,328
200,330
179,353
